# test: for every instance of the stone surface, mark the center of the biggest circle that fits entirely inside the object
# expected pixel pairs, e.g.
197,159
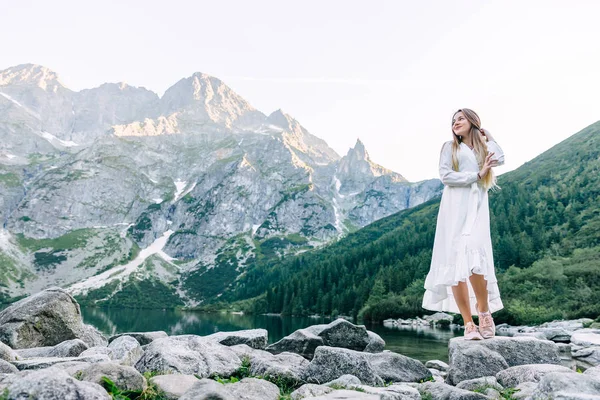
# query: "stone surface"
45,362
310,390
92,336
173,386
478,383
587,356
301,342
68,348
207,389
7,368
394,367
143,338
6,353
376,343
330,363
556,385
44,319
287,366
513,376
126,350
52,384
593,372
246,389
97,350
255,338
189,354
125,377
474,362
345,381
347,395
435,391
437,364
586,337
392,392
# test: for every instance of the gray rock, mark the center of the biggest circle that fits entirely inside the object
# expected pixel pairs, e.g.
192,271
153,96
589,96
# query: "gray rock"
586,337
44,319
7,368
474,359
143,338
126,350
345,381
556,385
310,390
556,334
588,356
435,390
125,377
439,316
437,364
45,362
536,335
189,354
347,395
394,367
330,363
6,353
392,392
376,343
339,333
288,366
301,342
92,336
68,348
207,389
513,376
474,362
254,389
524,390
53,384
97,350
173,386
593,372
478,383
255,338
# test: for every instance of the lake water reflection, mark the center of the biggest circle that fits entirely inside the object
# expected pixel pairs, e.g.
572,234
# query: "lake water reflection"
420,343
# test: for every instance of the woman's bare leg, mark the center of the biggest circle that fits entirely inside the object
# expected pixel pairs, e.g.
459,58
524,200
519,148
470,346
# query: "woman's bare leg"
479,285
461,296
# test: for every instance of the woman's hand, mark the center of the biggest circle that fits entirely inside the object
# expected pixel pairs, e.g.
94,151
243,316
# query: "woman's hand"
487,165
486,135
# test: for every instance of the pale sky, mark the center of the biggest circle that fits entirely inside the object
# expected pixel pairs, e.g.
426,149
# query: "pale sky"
389,72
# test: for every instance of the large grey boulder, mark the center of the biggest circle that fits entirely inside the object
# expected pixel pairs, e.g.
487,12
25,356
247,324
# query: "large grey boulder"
556,385
255,338
173,386
394,367
310,390
126,378
51,384
513,376
68,348
339,333
301,342
189,354
44,319
586,337
288,366
392,392
437,364
126,350
330,363
344,382
376,343
347,395
92,336
143,338
479,383
45,362
6,353
471,359
246,389
474,362
7,368
97,350
587,357
436,390
207,389
594,372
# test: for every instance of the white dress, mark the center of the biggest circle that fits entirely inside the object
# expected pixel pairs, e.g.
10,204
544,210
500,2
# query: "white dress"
462,244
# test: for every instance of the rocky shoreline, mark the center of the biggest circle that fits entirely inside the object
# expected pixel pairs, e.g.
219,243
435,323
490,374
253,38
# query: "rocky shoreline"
46,352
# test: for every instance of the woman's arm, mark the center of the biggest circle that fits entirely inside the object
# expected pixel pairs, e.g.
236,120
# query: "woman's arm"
450,177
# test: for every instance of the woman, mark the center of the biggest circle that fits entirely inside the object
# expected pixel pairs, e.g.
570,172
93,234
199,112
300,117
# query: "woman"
461,277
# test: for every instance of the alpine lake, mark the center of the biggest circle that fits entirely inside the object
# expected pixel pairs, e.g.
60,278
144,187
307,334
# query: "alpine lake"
421,343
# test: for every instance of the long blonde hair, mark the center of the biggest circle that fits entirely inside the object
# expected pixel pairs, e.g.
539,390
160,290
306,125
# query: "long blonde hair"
479,146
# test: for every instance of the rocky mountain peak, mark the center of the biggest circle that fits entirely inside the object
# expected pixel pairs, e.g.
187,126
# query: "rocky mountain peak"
31,75
358,152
